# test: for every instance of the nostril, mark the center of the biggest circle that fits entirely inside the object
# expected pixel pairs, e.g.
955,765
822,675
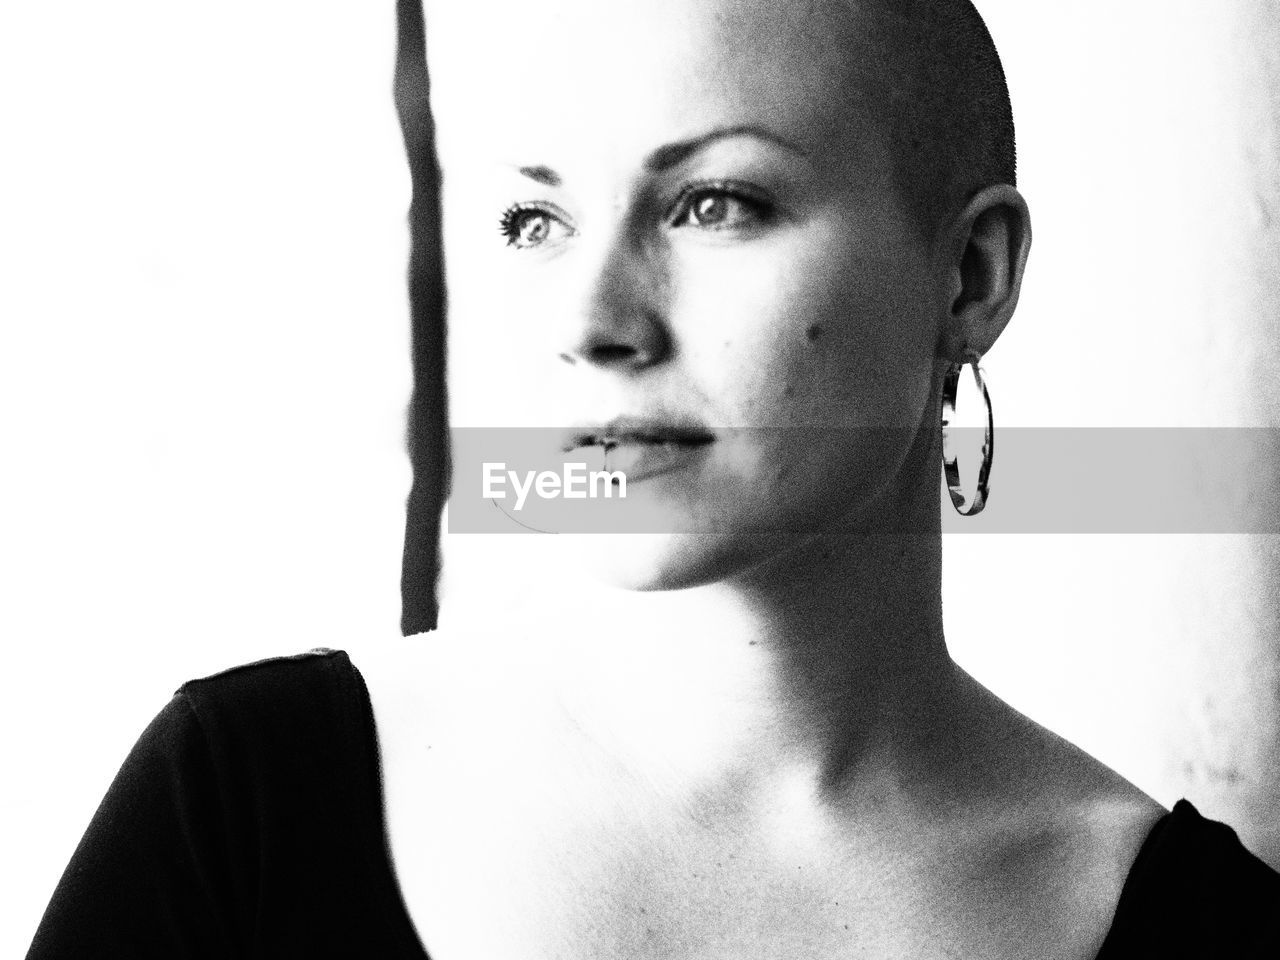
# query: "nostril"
616,338
606,353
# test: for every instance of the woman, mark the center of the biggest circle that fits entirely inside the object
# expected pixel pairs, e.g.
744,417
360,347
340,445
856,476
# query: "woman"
739,252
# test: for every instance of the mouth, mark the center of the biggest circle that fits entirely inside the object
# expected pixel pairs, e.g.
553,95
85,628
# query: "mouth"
641,448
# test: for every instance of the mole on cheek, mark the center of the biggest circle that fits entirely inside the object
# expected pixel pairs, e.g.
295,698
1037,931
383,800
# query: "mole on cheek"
814,332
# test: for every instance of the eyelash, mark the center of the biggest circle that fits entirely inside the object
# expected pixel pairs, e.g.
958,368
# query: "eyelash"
509,222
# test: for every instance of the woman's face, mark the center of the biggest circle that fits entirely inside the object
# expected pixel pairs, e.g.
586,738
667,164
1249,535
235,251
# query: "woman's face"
683,211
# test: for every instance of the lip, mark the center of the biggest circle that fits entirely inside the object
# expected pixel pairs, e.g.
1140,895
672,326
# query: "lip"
643,447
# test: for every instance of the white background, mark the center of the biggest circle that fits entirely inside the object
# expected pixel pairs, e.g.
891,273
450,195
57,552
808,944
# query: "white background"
204,370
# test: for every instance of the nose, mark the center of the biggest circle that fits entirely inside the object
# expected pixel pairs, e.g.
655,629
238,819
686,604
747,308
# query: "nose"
621,322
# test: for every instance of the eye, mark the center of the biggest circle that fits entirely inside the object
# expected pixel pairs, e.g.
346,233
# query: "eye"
720,207
529,225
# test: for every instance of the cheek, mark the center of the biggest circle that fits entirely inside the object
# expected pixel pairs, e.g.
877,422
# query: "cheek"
500,345
806,338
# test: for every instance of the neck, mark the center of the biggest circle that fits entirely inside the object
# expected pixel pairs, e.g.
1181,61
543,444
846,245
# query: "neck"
823,665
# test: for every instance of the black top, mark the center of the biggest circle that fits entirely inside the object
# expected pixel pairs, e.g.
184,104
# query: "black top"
248,822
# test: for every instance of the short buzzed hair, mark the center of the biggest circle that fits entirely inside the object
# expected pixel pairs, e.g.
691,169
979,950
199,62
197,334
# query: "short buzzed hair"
951,118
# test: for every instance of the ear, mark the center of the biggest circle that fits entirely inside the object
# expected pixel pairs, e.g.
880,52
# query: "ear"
990,244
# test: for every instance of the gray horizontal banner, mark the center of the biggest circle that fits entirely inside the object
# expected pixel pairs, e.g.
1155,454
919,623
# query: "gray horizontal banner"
1043,480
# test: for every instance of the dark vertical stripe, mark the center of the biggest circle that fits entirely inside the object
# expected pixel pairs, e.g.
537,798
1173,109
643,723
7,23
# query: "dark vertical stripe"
426,437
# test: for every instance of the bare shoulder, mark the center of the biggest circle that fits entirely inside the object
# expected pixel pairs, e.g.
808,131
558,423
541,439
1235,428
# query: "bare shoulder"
1085,799
463,687
1088,841
1049,776
1100,824
410,679
1070,830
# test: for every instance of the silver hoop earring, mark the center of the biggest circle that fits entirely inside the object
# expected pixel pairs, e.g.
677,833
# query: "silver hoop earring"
964,506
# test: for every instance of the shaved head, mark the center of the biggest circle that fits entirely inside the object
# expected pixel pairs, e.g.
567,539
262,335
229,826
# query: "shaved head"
949,118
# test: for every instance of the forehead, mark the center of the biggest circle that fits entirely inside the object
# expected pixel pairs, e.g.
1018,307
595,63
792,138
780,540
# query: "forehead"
607,77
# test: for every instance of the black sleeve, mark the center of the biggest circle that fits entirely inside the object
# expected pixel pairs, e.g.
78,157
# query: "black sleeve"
247,821
1196,891
151,876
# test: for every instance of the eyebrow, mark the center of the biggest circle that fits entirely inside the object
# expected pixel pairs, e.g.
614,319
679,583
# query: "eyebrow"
543,175
675,153
672,154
